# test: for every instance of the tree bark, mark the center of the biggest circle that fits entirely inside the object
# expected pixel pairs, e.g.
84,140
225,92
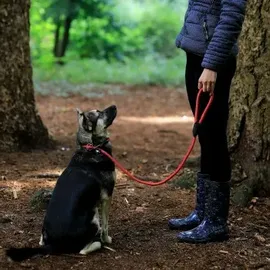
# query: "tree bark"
249,125
20,125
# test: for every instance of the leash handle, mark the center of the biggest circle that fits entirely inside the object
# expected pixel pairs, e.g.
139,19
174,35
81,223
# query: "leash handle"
206,109
181,164
197,120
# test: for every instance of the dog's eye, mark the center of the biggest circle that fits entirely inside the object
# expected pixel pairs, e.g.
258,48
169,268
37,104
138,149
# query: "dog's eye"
92,117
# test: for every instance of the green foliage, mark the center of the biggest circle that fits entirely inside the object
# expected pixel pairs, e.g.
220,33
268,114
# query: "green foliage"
147,70
132,41
160,24
41,33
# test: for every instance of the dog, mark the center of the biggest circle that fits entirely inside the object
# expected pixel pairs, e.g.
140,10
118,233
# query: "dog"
72,223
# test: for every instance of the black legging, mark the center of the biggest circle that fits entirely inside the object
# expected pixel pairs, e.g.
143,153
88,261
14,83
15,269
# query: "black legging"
215,159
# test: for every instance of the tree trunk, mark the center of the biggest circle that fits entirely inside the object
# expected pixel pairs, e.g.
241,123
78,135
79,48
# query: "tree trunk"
249,125
20,124
60,45
67,26
56,48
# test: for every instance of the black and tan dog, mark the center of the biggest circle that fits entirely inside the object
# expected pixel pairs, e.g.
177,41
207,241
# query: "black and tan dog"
71,223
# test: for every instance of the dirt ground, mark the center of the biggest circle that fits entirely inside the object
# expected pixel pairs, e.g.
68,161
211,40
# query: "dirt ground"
150,135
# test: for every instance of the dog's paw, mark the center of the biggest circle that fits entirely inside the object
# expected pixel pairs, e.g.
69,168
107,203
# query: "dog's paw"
83,252
90,248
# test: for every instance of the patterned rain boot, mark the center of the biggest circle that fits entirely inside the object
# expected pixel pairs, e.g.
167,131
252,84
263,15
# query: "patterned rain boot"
214,225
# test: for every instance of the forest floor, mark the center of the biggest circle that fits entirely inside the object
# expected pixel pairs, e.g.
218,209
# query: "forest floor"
150,136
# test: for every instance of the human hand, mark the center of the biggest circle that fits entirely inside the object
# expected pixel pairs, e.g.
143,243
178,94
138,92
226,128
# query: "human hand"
207,81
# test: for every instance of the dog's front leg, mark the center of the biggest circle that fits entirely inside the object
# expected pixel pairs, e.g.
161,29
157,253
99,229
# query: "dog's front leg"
96,219
105,206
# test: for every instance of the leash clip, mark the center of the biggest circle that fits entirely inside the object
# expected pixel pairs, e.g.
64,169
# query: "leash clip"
195,130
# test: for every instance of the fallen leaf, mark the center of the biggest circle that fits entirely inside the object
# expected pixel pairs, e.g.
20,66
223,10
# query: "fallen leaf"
254,200
259,238
126,200
139,209
224,252
145,204
15,194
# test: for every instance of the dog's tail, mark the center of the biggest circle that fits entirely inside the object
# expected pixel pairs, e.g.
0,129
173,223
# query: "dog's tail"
21,254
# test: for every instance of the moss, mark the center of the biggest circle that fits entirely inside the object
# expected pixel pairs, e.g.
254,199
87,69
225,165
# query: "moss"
186,180
242,195
40,199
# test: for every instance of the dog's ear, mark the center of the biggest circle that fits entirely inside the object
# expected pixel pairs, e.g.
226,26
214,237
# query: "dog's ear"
79,112
80,117
110,114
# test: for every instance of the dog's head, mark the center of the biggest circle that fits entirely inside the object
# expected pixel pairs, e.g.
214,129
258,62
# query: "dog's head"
93,125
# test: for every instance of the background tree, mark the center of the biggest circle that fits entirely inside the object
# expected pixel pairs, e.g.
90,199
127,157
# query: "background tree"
249,127
64,12
20,125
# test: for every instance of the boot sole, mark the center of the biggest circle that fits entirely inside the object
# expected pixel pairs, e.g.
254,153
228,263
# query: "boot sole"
182,228
219,238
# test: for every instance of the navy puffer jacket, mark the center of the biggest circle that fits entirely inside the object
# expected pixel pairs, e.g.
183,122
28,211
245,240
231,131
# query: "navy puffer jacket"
211,29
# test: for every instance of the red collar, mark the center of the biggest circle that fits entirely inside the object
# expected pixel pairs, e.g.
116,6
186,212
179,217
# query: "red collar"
90,146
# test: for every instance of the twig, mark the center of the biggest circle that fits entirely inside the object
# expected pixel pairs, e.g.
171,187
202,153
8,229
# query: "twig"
122,185
15,194
111,249
73,255
126,200
177,261
45,175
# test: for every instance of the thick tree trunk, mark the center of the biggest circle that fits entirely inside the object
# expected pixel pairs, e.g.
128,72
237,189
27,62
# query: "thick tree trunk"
20,125
249,127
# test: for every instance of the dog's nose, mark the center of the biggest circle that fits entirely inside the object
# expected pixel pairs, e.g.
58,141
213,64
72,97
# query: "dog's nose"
113,108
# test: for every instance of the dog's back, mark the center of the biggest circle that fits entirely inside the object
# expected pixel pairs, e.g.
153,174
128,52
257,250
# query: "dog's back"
72,209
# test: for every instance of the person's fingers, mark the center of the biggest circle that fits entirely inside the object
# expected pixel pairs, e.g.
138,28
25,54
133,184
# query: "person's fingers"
200,84
209,87
205,87
212,87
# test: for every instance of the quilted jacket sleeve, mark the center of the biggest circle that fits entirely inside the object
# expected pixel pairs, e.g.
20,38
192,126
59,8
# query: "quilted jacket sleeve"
226,33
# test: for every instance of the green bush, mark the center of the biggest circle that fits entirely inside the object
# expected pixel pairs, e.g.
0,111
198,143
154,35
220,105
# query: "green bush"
147,70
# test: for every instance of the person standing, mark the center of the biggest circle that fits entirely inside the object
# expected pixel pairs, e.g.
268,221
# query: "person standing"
209,38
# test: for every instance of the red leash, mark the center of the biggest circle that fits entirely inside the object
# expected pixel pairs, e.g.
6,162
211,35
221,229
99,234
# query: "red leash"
197,122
